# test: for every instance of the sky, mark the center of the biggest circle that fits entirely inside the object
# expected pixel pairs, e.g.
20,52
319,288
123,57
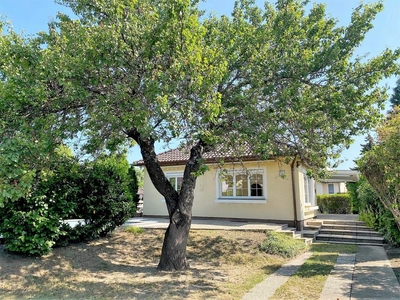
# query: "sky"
32,16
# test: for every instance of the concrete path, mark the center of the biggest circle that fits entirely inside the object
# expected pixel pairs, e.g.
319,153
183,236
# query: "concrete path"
209,224
373,276
338,283
267,288
365,275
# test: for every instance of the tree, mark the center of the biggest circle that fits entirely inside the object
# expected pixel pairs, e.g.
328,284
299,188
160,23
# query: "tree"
279,79
381,164
395,98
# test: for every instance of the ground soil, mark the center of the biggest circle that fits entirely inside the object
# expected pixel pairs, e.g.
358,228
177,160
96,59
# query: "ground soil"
223,265
123,266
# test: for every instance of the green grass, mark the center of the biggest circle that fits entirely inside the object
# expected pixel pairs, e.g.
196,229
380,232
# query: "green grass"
134,230
309,280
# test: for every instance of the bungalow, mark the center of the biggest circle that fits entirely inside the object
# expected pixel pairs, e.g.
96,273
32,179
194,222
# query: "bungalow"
336,183
245,189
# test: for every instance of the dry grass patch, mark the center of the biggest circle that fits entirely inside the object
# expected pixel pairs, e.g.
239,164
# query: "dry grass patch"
309,280
224,265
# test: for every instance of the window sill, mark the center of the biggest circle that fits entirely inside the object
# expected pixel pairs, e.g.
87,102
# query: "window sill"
251,200
311,207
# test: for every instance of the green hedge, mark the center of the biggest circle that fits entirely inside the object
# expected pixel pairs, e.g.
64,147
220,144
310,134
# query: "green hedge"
334,204
101,192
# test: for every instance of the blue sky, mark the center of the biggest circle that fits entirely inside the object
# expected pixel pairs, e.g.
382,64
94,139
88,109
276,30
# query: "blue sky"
32,16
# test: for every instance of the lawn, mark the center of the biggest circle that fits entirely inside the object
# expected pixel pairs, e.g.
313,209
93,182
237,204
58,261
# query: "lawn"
224,265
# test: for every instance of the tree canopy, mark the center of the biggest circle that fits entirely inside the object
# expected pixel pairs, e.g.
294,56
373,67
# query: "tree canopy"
280,78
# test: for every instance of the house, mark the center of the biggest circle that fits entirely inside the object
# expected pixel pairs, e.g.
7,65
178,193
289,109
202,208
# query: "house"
336,183
245,189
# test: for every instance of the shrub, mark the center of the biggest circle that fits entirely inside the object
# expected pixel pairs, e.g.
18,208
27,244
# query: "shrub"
31,225
103,199
99,192
374,214
282,244
334,204
352,188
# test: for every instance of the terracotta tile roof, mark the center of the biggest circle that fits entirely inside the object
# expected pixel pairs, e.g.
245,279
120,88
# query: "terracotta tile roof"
180,156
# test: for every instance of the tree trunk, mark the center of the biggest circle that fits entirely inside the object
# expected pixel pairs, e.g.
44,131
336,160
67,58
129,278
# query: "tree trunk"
173,255
179,205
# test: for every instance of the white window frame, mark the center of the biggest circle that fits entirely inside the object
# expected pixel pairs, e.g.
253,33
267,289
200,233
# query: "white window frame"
242,199
175,175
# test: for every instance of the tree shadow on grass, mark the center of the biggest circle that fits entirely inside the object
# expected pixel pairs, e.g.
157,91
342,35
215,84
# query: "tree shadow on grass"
121,266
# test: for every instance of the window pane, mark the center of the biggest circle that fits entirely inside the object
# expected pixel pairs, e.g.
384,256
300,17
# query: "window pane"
331,189
242,185
227,186
306,189
256,185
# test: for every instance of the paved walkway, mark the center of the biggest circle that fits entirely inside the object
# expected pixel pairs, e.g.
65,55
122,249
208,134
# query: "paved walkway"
267,288
209,224
365,275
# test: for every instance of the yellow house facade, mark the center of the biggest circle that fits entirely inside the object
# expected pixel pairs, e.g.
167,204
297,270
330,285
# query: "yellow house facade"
252,189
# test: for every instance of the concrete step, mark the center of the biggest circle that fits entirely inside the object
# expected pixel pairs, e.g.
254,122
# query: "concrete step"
353,243
350,239
308,233
290,231
313,223
341,222
307,227
366,233
346,227
307,241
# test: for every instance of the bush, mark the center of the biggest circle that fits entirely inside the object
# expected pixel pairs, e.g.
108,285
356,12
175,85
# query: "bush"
282,244
28,227
99,192
352,188
334,204
374,214
31,225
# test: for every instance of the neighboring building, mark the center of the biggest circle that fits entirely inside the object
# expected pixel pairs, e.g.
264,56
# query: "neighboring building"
249,190
336,183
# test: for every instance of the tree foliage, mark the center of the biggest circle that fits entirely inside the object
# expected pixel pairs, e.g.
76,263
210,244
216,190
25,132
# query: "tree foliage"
381,164
281,79
372,211
395,98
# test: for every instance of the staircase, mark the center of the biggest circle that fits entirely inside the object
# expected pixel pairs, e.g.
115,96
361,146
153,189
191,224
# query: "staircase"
296,234
345,232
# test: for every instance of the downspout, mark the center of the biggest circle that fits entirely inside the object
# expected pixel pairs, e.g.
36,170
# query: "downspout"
296,223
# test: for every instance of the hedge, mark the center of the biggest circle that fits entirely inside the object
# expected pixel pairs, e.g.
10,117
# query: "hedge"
334,204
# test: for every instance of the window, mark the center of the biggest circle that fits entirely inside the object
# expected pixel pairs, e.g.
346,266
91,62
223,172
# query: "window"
241,184
176,180
331,188
306,189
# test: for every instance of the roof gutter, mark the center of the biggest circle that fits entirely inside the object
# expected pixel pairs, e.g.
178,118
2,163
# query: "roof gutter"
296,222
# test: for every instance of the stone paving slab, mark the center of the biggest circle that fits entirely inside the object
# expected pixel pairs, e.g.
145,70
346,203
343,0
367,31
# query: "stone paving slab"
267,288
373,275
338,283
